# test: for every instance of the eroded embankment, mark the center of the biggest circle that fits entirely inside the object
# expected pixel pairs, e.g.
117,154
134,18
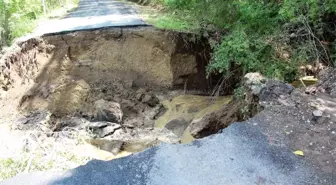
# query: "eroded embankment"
126,86
130,89
145,56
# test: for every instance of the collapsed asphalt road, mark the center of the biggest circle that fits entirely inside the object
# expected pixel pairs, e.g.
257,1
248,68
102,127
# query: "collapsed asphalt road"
93,14
241,154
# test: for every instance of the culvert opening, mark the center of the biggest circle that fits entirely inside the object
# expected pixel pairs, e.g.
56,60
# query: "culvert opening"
127,88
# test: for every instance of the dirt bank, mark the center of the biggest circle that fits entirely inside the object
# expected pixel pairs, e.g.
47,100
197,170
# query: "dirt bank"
83,81
146,56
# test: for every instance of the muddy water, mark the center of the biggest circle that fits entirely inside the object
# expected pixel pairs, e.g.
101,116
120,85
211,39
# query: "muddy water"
190,107
187,107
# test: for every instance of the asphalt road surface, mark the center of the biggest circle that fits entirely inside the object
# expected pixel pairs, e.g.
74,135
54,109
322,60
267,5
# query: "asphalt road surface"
240,155
93,14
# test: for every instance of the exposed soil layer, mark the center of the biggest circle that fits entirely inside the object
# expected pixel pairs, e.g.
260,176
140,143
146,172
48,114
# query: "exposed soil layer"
140,75
146,56
137,57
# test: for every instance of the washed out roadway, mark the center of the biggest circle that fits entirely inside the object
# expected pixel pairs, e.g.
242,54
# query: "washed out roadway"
240,155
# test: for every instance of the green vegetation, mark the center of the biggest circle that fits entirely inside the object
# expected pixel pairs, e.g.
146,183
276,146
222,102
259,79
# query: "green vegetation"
27,162
41,153
19,17
268,36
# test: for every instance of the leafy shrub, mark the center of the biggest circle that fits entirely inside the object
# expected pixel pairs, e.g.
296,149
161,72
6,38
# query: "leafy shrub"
272,37
18,17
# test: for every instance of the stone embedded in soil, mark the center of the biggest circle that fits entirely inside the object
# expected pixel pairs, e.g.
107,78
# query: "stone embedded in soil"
177,126
274,89
317,114
73,122
254,82
36,120
150,100
147,98
108,130
108,111
96,125
254,79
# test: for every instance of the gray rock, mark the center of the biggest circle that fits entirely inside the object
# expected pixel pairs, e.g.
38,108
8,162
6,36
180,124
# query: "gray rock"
274,89
108,111
103,129
150,100
139,96
177,126
255,82
147,98
317,113
75,121
254,79
22,121
108,130
35,120
96,125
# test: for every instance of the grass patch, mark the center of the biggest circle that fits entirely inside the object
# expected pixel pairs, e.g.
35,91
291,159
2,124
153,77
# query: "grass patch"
164,18
39,152
174,22
26,25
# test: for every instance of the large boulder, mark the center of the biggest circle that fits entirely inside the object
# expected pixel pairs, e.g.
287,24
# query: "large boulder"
108,111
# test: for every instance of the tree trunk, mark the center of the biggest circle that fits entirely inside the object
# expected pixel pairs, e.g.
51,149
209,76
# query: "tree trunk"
44,7
6,34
